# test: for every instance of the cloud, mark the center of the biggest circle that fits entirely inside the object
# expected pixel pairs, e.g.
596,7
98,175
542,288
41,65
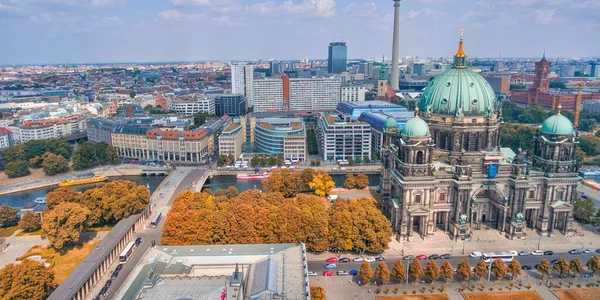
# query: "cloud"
317,8
114,20
365,10
106,3
215,5
425,12
174,15
223,21
544,16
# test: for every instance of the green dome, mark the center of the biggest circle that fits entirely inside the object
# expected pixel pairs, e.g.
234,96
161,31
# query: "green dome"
459,89
558,124
416,127
390,123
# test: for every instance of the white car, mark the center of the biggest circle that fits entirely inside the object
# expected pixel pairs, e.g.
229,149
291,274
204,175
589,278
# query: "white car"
312,273
358,259
370,259
537,252
513,252
475,254
524,253
588,251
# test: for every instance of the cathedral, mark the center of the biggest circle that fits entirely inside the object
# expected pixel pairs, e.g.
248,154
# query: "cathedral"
446,170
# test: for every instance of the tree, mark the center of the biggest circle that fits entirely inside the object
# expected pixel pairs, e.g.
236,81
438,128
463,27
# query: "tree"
8,216
518,136
30,221
499,268
415,269
447,271
27,280
588,124
63,223
54,164
200,118
514,268
15,153
562,266
132,94
221,160
85,156
481,270
544,268
17,168
382,273
122,198
399,271
590,144
362,181
255,161
317,293
61,194
106,154
231,192
464,269
358,160
432,270
322,183
283,181
365,273
575,266
350,182
584,210
593,264
35,162
351,160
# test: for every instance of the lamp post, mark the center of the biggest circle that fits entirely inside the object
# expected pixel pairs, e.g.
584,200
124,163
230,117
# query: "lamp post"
464,242
490,270
539,241
407,272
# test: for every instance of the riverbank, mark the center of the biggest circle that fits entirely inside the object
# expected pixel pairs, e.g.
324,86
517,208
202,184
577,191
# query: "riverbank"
329,168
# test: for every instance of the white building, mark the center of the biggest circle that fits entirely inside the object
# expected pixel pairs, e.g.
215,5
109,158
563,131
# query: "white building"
352,93
268,95
54,128
188,108
6,138
592,106
242,78
314,93
343,138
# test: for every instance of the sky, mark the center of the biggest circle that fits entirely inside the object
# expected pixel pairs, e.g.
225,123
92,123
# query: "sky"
87,31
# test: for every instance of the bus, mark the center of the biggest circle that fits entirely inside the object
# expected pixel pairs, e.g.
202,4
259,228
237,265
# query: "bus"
126,252
155,220
505,256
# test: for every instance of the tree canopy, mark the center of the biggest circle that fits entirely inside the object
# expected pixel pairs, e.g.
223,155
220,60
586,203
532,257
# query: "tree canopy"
29,280
18,168
322,183
8,216
54,164
30,222
365,274
63,224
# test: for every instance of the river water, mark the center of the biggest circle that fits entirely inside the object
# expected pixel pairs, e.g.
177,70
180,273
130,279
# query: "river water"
225,181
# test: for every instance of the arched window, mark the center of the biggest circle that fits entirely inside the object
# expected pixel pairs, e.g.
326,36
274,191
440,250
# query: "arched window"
564,154
420,157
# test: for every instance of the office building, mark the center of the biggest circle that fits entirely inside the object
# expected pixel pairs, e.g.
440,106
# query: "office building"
592,106
230,104
277,67
231,140
379,121
242,78
366,68
595,69
341,138
500,85
353,93
567,71
419,68
199,103
355,109
337,59
296,94
268,95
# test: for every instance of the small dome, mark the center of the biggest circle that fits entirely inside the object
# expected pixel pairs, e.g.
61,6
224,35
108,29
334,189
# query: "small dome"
390,123
416,127
558,124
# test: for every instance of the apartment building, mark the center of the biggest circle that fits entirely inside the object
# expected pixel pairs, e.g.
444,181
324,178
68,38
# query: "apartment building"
6,138
199,104
352,93
341,138
231,140
54,128
268,95
296,94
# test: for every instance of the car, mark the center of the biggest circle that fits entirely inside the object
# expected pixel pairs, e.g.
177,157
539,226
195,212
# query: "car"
312,273
119,267
104,291
554,261
584,197
380,258
422,257
588,251
138,241
327,273
434,256
513,252
549,252
358,259
597,250
526,267
344,260
537,252
108,283
574,251
370,259
332,259
342,273
446,256
330,266
475,254
408,257
97,297
586,275
353,272
524,253
114,274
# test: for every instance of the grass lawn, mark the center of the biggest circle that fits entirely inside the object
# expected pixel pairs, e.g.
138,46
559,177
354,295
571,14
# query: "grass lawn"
61,263
578,294
9,231
23,233
415,297
527,295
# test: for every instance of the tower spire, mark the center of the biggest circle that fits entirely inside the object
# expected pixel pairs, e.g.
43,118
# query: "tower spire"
395,78
460,57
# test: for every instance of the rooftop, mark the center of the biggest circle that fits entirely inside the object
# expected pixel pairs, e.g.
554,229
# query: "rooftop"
232,126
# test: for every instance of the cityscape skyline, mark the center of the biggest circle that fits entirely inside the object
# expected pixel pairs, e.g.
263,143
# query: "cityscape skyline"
68,31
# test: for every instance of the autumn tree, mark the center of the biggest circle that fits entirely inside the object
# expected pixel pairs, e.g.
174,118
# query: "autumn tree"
231,192
15,153
415,269
322,183
25,281
481,270
282,181
361,181
464,269
544,268
446,271
30,221
63,223
317,293
382,273
54,164
8,216
123,198
576,266
499,268
350,182
593,264
562,266
17,168
399,271
432,270
514,268
365,273
61,194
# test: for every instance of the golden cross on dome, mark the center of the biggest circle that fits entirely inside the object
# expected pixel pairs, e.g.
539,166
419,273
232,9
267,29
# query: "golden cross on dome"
462,30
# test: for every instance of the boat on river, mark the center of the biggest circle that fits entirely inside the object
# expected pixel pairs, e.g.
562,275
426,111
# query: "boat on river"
94,179
40,200
243,176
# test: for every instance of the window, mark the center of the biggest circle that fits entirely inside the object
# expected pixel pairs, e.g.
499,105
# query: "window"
559,195
418,198
420,157
531,194
442,197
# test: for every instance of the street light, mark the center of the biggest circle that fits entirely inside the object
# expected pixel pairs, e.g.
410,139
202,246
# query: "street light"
539,241
407,272
464,242
490,270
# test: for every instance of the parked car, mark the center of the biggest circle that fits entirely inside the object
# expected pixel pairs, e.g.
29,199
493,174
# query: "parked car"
537,252
446,256
108,283
114,274
434,256
119,267
138,241
380,258
554,261
586,275
526,267
422,257
370,259
327,273
342,273
330,266
353,272
597,250
344,260
549,252
97,297
575,251
312,273
588,251
408,257
524,253
104,291
332,259
358,259
475,254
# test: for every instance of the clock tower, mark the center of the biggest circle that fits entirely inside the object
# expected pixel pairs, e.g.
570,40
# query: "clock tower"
541,83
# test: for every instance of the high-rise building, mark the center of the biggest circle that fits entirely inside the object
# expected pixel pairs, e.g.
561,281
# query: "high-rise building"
337,59
296,94
276,67
595,69
341,138
268,95
242,77
567,71
366,68
419,69
232,105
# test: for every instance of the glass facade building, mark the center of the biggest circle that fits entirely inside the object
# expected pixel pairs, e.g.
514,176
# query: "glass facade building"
337,59
287,136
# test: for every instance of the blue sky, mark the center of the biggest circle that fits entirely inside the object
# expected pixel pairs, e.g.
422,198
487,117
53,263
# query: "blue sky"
55,31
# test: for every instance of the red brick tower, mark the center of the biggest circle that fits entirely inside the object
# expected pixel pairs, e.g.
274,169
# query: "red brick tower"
541,83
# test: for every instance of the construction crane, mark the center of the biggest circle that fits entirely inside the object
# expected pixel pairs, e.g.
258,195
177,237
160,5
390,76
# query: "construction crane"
578,103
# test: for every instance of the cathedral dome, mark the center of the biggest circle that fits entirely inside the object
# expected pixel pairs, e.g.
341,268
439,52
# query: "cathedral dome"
390,124
416,127
459,91
557,124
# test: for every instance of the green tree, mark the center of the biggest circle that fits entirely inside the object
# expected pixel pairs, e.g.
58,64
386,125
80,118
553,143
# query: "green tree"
365,274
432,270
17,168
576,266
590,144
106,154
518,136
200,118
351,160
8,216
30,222
415,269
499,268
255,161
132,94
54,164
588,124
399,271
59,147
15,153
350,182
382,273
514,268
544,268
593,264
562,266
447,271
221,160
27,280
464,269
63,223
359,160
481,270
584,210
85,156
